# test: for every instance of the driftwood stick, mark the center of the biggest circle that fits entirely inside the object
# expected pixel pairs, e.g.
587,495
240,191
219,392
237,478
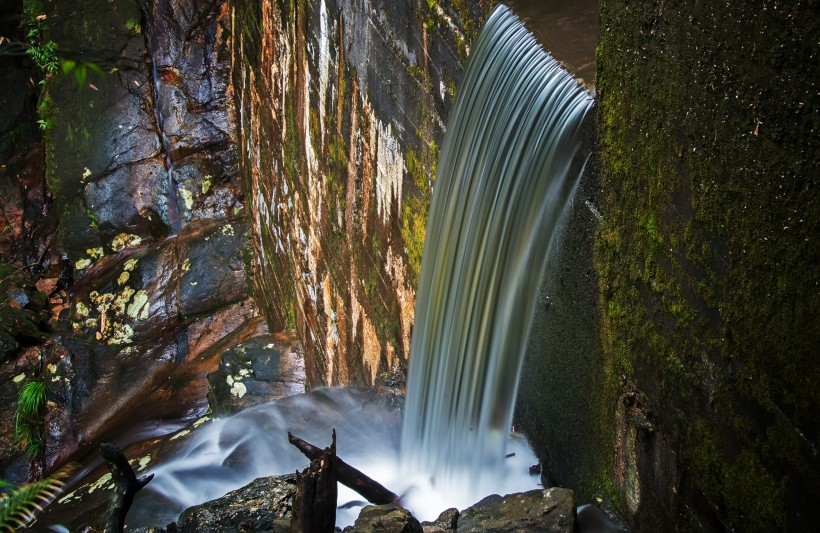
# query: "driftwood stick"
314,506
126,485
370,489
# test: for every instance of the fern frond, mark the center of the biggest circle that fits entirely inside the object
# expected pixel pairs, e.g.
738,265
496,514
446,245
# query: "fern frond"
20,506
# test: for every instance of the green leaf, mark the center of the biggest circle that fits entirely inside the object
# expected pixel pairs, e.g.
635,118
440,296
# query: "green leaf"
68,65
93,67
80,74
19,507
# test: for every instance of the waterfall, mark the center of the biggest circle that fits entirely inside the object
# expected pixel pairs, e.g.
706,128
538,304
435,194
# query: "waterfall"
508,165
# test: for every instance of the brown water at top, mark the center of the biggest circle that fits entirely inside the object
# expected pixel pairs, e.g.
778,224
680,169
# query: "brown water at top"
568,29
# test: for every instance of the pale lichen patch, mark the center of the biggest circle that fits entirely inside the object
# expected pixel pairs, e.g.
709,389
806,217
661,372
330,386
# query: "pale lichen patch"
180,434
120,334
82,264
100,483
122,298
130,265
143,462
95,253
138,309
125,240
239,389
68,497
187,198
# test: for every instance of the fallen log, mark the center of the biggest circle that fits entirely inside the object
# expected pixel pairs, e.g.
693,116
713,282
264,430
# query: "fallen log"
314,505
126,485
370,489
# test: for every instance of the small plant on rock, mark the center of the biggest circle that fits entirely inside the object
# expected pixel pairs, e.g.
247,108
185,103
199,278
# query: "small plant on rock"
18,507
28,420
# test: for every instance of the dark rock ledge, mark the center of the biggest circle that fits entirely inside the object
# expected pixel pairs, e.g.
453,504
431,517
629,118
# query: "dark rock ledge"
264,505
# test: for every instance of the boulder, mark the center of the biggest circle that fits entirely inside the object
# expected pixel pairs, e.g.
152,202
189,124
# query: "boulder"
262,505
385,519
551,510
446,521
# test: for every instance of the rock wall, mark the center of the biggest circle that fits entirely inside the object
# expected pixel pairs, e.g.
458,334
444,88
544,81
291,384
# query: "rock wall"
707,258
141,271
342,108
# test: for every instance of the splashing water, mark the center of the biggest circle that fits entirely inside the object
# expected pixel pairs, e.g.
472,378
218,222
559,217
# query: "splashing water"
504,178
228,453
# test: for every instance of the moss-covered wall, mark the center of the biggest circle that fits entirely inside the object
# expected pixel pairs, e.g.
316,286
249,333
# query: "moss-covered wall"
707,257
567,389
342,108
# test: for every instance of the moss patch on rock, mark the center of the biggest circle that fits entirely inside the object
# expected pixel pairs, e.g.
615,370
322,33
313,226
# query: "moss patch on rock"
706,255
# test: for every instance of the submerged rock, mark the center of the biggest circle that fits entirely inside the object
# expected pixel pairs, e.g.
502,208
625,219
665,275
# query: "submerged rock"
550,510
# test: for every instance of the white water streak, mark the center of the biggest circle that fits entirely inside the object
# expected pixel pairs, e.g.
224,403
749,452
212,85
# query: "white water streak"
503,181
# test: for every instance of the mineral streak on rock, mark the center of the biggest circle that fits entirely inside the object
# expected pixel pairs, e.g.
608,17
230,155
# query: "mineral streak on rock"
333,98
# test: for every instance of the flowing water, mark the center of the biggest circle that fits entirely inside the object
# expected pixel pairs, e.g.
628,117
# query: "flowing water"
228,453
504,178
509,163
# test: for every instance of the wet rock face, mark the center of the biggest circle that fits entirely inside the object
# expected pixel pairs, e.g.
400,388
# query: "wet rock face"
145,327
260,370
446,521
144,282
163,104
708,262
265,504
342,108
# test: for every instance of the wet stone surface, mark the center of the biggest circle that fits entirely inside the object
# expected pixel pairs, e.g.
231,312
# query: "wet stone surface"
551,510
260,370
387,518
446,521
258,506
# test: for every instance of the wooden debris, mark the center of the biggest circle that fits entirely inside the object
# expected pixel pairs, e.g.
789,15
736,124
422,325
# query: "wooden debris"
126,485
370,489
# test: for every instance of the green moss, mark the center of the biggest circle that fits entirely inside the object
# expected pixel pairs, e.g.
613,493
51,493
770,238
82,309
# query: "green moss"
416,205
703,244
290,314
